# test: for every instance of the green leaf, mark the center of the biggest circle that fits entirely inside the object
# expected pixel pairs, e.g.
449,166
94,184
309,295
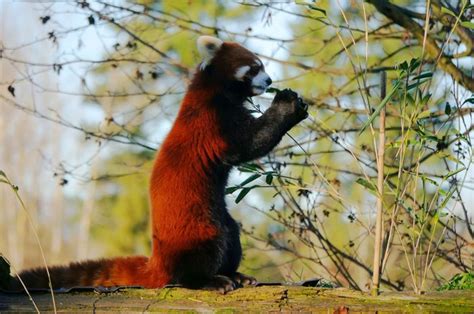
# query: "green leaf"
422,76
367,184
424,114
447,109
416,84
454,172
469,100
250,168
447,198
443,214
380,106
435,219
468,24
2,174
269,178
403,66
414,64
448,11
231,189
250,179
242,194
272,90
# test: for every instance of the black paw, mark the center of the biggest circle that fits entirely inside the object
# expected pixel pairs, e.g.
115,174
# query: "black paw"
285,95
302,105
290,105
220,283
243,280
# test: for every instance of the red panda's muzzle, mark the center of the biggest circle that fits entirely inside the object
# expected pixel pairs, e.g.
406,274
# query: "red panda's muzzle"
260,82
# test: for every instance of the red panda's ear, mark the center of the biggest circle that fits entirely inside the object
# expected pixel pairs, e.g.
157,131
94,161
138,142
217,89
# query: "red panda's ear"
208,47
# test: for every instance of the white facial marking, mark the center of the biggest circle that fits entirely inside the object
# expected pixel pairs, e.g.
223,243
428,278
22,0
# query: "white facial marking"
260,82
258,62
240,73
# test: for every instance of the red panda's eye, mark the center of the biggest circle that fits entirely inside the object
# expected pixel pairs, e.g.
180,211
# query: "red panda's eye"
254,69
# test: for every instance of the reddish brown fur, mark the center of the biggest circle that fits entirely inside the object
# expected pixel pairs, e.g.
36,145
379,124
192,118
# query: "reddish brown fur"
231,56
179,193
177,182
104,272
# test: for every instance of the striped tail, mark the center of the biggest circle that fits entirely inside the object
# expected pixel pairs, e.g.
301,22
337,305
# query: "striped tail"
121,271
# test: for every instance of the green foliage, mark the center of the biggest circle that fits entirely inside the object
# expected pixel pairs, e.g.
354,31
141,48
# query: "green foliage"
321,179
381,106
257,172
121,223
323,194
461,281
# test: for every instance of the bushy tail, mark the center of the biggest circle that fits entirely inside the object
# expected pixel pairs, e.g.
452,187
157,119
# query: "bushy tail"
121,271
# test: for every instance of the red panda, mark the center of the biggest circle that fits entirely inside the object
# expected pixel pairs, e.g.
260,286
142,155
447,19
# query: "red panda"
195,241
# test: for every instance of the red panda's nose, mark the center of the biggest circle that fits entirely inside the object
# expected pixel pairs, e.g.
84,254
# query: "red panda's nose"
269,81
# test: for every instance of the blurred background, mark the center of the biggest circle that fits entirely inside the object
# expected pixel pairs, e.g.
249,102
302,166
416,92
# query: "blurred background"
89,89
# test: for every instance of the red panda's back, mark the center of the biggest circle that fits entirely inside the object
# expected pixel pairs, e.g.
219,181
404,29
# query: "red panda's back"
180,183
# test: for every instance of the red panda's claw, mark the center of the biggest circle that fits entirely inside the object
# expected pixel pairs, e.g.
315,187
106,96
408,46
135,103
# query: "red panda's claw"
222,284
244,280
302,104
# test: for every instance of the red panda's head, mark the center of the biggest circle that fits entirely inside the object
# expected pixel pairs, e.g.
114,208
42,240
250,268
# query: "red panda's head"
233,66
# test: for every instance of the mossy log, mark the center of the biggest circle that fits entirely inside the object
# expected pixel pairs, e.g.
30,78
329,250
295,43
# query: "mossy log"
258,299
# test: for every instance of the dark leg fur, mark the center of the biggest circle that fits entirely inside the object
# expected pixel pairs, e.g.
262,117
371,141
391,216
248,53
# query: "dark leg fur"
286,111
233,253
252,138
213,265
195,267
233,257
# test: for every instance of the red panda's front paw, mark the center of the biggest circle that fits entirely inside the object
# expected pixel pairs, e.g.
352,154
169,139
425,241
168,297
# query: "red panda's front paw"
285,96
302,107
290,105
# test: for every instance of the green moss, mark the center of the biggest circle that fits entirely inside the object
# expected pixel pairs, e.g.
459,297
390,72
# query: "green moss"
260,299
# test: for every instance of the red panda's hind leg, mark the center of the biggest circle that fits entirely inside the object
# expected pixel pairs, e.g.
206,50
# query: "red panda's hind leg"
233,255
220,283
243,280
225,284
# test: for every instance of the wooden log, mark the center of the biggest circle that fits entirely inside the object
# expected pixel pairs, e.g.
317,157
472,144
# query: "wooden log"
260,299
